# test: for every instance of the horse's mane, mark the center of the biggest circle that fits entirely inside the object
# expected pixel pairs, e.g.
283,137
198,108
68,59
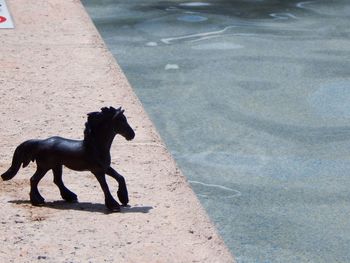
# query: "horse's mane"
96,119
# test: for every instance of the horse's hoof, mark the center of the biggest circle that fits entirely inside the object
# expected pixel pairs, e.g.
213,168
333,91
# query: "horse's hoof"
113,206
123,198
114,210
72,200
69,196
37,202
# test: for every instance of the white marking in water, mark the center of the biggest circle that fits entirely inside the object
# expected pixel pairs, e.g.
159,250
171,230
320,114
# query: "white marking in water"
195,36
216,36
236,192
194,4
203,38
151,44
171,8
283,16
171,66
301,4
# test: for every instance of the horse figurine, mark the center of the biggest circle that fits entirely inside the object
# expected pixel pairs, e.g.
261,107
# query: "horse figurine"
91,154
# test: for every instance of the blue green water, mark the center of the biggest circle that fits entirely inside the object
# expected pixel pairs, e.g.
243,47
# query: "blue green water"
252,99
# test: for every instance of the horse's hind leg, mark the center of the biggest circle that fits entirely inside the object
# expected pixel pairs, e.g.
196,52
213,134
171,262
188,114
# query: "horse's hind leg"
66,194
35,196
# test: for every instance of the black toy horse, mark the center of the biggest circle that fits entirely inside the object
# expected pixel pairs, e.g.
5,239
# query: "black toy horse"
92,154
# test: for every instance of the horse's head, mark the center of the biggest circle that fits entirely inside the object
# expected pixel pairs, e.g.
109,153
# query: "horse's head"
108,120
121,125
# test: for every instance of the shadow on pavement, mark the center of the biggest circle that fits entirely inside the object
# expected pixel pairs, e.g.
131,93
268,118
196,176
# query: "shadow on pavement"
86,206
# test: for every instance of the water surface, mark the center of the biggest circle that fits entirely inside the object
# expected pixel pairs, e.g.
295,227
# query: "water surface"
252,99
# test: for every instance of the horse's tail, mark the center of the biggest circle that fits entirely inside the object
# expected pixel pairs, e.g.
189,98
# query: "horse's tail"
24,153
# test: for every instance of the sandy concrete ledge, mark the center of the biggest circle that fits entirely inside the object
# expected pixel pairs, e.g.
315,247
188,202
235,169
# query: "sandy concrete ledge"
54,68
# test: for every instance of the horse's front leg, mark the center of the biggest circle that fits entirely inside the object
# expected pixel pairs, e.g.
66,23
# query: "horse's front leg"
122,190
110,202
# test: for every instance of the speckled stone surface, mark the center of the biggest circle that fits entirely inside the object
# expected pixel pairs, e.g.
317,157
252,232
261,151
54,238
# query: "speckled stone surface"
54,69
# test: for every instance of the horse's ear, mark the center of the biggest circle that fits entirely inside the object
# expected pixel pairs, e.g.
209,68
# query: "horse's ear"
90,114
118,113
104,109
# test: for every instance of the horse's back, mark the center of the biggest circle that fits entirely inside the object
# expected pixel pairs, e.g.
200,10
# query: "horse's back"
59,145
57,150
60,142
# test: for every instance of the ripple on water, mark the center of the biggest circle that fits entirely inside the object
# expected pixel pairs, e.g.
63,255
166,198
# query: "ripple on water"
332,100
217,46
192,18
206,190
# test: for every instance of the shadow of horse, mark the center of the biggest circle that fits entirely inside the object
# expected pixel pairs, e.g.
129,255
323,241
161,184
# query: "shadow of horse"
86,206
